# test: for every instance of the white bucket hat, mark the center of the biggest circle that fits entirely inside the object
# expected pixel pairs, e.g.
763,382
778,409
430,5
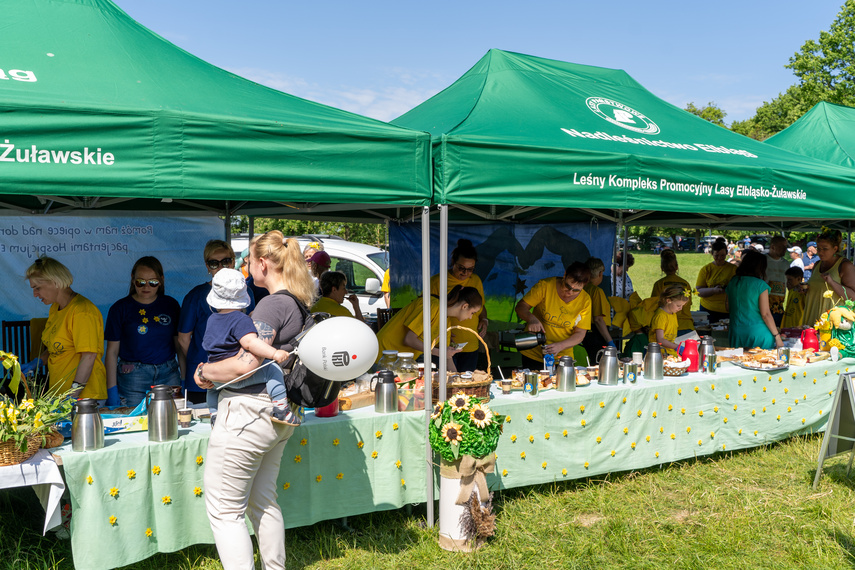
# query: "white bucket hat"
228,290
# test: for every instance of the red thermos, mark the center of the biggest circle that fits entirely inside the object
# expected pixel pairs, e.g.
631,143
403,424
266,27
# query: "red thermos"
690,353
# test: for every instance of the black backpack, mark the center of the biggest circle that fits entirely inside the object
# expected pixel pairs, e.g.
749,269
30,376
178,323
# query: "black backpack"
304,387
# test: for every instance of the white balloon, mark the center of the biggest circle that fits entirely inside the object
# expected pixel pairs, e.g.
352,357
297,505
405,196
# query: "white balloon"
339,348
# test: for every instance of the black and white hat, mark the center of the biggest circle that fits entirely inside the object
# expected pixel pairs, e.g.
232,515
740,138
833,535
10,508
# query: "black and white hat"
228,290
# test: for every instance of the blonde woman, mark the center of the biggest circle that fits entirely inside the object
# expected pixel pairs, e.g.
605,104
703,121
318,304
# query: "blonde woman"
73,335
245,449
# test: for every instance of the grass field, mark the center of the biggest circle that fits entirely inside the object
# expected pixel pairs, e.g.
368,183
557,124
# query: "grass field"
646,271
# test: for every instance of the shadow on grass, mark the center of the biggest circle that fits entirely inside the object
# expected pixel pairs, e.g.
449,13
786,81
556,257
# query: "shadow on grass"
846,543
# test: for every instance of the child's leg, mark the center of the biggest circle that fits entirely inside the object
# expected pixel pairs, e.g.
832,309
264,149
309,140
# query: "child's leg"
282,412
211,399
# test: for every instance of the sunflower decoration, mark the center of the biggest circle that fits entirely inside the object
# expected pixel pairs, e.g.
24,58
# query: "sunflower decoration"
464,425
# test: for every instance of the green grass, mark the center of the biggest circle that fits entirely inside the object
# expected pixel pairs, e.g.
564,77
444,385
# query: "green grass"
646,271
746,509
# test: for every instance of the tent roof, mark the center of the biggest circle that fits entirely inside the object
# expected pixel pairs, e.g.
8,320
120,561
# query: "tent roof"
148,120
527,131
826,132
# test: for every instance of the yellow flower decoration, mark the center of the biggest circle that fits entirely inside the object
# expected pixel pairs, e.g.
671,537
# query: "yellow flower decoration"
148,532
144,320
513,438
564,472
378,434
113,520
583,423
814,380
625,430
599,439
531,439
639,413
725,420
529,417
546,435
335,441
764,408
298,458
670,407
560,410
696,389
564,433
673,436
156,319
114,492
602,404
683,410
688,429
200,460
613,452
394,427
789,409
197,491
647,439
828,294
398,464
459,402
656,454
286,486
735,407
624,399
504,472
786,390
701,413
360,444
374,454
739,382
715,409
727,396
618,415
403,483
744,396
755,432
632,445
340,476
508,419
318,478
166,500
779,417
582,409
712,434
661,430
304,441
655,396
712,386
803,420
700,442
522,455
156,470
586,465
481,415
451,432
820,412
142,311
543,465
773,400
764,388
740,431
89,479
755,379
679,391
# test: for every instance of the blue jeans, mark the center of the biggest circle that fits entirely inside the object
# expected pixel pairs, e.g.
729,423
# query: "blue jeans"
135,379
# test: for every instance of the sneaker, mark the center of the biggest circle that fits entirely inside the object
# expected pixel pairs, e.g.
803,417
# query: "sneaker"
282,414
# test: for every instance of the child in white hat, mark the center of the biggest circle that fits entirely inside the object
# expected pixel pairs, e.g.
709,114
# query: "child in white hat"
229,329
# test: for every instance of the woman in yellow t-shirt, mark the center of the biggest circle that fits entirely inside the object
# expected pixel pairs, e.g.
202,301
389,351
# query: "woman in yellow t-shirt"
560,308
712,280
333,294
669,266
405,331
663,327
73,335
462,272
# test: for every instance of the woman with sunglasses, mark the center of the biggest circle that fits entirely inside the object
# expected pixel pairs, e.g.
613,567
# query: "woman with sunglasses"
142,335
561,309
195,312
462,272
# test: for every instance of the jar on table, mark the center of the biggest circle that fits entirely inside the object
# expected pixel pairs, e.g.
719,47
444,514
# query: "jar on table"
387,360
406,367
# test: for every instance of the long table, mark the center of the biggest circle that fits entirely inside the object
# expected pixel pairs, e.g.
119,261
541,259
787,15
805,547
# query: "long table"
360,461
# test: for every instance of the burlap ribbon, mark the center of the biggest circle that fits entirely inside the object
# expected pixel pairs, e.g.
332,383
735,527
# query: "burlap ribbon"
471,472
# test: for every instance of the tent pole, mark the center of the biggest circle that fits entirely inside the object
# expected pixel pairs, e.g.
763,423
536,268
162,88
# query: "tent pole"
443,306
428,381
228,223
251,229
623,255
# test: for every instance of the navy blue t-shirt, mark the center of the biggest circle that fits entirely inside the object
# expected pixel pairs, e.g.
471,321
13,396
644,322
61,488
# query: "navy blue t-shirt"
146,333
222,337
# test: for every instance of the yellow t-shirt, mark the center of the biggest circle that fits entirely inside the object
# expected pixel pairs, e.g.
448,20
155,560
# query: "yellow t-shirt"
79,327
472,342
712,275
795,311
327,305
560,320
600,306
385,286
391,336
668,323
684,316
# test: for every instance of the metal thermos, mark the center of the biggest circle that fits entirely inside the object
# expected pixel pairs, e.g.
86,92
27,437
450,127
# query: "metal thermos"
522,340
565,378
385,392
608,360
708,363
87,427
707,346
653,362
162,414
630,371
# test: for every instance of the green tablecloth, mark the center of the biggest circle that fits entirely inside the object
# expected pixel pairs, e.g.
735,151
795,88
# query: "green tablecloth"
361,462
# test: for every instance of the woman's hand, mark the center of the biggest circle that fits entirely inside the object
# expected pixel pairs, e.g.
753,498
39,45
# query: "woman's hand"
555,347
779,342
201,382
534,325
482,327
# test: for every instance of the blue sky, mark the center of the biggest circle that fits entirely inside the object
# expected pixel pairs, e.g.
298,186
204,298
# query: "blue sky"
381,58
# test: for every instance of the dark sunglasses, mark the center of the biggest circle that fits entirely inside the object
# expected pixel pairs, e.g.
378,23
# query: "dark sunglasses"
463,268
572,289
217,263
150,282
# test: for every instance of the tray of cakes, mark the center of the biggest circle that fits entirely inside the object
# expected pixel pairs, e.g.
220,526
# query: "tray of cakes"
760,359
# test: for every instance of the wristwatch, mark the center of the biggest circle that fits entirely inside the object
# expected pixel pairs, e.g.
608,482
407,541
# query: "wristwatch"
77,386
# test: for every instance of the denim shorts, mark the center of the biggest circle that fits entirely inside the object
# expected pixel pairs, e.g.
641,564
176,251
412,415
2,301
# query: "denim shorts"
134,384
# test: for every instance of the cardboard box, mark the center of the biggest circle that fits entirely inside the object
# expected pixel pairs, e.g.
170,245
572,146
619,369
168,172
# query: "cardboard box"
123,424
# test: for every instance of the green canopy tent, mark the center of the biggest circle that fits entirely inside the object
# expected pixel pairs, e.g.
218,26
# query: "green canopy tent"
99,112
826,132
518,137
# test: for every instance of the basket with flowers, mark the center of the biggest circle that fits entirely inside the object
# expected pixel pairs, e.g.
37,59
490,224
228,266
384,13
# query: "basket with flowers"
464,425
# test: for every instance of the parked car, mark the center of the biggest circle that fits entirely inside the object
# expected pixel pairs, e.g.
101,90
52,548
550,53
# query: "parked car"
364,266
687,244
706,243
632,243
658,243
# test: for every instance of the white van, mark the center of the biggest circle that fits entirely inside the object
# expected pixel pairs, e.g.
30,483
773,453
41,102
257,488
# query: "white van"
364,266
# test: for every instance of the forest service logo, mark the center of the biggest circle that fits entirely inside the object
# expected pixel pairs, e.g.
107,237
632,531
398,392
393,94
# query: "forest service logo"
621,115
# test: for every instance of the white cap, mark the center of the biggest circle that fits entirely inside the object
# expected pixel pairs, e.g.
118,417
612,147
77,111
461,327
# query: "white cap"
795,249
405,354
228,290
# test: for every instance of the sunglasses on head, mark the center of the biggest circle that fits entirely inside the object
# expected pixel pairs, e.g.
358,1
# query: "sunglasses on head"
150,282
217,263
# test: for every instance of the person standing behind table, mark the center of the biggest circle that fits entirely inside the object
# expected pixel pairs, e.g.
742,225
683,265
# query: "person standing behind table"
334,292
561,309
809,259
318,264
73,334
795,310
386,289
712,281
245,448
142,335
669,266
598,336
617,275
405,331
751,322
462,272
776,266
832,273
195,312
796,258
663,326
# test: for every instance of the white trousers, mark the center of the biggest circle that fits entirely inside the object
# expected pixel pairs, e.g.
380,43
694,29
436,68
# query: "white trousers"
241,470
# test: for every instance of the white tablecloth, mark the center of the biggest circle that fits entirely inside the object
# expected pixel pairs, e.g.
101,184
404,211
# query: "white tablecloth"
42,474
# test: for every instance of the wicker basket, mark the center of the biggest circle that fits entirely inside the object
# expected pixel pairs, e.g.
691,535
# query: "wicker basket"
479,388
52,439
10,455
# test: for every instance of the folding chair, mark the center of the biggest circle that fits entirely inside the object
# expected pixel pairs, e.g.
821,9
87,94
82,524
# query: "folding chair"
16,339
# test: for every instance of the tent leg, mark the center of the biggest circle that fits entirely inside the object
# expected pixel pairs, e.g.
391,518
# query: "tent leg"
428,383
443,307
